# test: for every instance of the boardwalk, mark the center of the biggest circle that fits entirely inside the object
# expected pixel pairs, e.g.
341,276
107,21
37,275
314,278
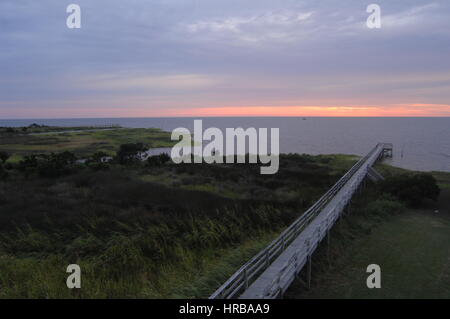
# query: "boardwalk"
270,273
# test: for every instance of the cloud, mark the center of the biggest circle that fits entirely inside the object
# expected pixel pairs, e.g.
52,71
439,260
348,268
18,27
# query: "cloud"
148,82
178,54
281,25
412,18
239,24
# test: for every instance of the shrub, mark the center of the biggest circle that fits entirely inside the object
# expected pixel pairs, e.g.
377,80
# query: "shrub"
98,161
164,158
158,160
412,189
99,166
98,157
4,156
53,165
130,152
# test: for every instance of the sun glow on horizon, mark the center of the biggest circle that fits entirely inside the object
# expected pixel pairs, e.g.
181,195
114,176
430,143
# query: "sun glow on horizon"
400,110
396,110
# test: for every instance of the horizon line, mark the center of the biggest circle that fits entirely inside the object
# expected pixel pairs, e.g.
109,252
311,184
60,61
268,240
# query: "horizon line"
208,116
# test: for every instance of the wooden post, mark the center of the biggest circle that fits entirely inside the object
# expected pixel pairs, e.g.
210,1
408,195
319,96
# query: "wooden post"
245,278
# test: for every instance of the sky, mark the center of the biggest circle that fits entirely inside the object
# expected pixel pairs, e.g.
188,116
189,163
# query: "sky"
173,58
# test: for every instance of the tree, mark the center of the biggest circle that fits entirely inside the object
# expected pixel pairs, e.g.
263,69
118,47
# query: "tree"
131,152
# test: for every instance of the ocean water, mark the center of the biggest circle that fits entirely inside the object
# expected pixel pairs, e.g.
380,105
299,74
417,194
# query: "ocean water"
419,143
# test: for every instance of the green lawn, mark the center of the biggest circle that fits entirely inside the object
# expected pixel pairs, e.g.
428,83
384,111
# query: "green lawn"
412,249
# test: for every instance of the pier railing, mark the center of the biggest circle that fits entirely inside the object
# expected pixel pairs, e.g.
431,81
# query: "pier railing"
249,272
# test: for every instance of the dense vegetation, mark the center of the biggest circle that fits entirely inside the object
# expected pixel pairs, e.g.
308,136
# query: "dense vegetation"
150,228
144,228
412,189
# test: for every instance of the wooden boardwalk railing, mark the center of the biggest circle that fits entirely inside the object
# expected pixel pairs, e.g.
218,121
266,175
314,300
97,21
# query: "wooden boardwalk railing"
271,271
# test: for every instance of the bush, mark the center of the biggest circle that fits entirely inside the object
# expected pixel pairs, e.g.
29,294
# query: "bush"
98,157
130,152
98,166
4,157
158,160
412,189
99,161
53,165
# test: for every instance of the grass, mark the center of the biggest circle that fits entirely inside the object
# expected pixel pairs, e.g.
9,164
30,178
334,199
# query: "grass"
151,232
82,143
179,231
406,248
38,129
194,277
301,177
197,277
443,179
412,248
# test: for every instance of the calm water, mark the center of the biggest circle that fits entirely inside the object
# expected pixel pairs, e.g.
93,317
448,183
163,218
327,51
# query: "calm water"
419,143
